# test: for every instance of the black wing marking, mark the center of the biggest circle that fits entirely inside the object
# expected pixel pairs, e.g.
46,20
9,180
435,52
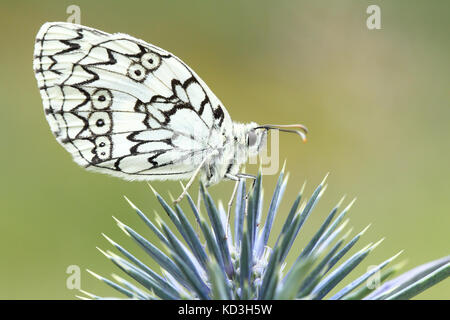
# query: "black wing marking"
101,92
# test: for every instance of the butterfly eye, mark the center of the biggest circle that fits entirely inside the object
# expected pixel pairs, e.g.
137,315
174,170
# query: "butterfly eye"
136,72
150,61
251,138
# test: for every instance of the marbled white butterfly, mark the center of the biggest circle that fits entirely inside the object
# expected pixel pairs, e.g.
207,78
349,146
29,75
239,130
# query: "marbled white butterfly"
128,108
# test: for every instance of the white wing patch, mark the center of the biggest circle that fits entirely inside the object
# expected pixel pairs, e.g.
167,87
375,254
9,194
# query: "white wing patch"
125,107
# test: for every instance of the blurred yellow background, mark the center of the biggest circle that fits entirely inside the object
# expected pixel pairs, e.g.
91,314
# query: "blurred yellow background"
376,103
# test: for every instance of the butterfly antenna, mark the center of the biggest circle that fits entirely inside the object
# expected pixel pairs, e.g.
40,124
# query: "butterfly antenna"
298,129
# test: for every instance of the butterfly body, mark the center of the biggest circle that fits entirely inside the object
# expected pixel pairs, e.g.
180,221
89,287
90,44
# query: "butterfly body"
128,108
233,152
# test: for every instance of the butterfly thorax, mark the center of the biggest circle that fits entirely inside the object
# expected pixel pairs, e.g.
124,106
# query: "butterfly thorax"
232,151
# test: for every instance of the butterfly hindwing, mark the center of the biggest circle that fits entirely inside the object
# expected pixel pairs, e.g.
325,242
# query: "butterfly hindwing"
122,106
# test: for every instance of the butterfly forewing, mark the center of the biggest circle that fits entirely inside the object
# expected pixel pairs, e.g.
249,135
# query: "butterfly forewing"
125,107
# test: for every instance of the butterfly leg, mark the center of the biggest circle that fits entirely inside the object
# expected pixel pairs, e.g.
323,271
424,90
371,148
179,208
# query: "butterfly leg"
192,179
230,203
246,176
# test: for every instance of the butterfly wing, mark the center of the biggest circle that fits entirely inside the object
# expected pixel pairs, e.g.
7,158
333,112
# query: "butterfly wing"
122,106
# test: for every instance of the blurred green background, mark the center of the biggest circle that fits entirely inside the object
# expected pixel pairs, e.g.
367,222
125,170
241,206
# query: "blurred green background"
376,103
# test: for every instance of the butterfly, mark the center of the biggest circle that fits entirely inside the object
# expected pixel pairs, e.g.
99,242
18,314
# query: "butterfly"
125,107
